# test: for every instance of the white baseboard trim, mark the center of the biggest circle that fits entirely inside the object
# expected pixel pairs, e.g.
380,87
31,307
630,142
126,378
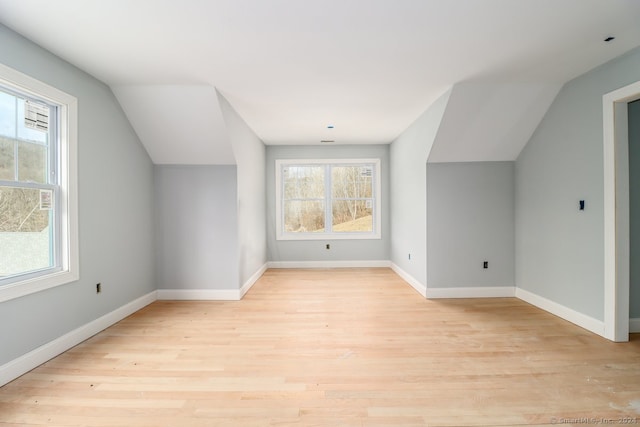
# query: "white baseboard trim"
211,294
589,323
329,264
472,292
199,294
25,363
415,284
634,325
252,280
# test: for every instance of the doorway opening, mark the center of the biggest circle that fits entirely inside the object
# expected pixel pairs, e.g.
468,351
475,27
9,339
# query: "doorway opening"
616,211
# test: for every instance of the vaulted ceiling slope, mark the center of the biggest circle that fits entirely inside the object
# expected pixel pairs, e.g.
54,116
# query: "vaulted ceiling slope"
490,121
178,124
291,68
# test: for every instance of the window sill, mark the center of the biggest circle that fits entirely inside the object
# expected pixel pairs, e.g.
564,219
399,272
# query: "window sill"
29,286
334,236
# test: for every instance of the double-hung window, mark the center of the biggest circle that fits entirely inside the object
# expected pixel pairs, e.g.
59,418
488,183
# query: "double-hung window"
38,223
328,199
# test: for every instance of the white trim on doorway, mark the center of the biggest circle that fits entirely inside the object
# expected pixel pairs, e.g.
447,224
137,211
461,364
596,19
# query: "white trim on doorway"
616,211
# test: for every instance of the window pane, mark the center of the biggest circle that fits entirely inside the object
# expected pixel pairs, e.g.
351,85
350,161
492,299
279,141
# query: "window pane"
303,216
28,133
333,198
7,115
351,182
303,182
7,161
352,215
25,234
32,162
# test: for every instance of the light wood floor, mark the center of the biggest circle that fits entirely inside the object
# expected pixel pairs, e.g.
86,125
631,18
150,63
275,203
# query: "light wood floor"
355,347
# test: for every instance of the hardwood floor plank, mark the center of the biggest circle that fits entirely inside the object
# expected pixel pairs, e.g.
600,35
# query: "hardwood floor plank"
344,347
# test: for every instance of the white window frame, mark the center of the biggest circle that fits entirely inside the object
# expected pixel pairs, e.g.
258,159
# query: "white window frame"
67,267
377,210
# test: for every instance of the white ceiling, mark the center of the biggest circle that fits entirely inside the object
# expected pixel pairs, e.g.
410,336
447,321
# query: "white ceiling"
490,121
183,121
292,67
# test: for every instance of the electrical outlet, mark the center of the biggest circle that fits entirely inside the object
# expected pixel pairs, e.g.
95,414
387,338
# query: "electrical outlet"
328,246
98,288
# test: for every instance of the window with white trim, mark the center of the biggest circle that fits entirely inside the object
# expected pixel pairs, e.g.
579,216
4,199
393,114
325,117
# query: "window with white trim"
38,206
328,199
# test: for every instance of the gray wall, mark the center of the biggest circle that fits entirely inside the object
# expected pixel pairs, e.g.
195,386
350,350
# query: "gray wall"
116,216
409,153
196,227
314,250
471,219
249,152
559,249
634,208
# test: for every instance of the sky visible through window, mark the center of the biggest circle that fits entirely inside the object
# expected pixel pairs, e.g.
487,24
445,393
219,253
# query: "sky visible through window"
12,126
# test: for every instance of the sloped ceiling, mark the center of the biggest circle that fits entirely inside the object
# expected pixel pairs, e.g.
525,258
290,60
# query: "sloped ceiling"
290,68
490,121
178,124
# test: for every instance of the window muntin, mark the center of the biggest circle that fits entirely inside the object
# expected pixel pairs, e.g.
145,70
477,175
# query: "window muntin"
38,185
328,199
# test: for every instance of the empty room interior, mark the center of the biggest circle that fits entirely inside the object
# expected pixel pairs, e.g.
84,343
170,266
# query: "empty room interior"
337,213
